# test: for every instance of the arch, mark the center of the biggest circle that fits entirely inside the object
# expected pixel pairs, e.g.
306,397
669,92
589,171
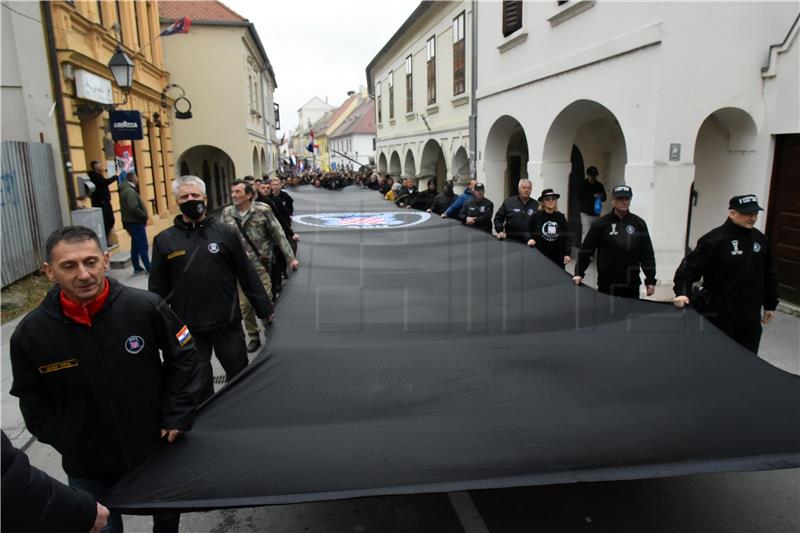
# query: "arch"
506,153
725,162
409,169
383,167
585,133
264,168
460,164
206,157
256,163
433,164
394,165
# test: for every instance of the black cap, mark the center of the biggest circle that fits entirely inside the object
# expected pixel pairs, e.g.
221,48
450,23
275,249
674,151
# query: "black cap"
592,171
480,187
747,203
622,191
549,192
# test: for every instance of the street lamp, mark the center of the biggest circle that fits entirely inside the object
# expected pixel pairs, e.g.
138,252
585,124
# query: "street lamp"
122,69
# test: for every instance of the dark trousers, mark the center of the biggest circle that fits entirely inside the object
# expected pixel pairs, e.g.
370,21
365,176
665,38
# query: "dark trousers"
108,217
139,250
748,335
228,345
100,488
624,292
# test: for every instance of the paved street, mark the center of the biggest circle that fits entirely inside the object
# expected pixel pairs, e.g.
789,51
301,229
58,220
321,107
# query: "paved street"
760,502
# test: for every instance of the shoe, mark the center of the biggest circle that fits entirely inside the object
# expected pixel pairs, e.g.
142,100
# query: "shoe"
137,273
253,345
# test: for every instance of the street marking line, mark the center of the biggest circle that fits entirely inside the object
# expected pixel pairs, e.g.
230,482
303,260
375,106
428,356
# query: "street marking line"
467,513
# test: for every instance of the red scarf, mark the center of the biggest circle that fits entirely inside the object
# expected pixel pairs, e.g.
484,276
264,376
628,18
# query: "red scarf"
83,313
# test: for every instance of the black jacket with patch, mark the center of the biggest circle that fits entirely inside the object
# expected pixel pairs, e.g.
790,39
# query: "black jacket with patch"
738,273
623,247
480,209
100,395
514,218
196,268
551,233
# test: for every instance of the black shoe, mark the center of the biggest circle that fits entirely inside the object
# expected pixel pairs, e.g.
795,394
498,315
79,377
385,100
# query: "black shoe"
253,345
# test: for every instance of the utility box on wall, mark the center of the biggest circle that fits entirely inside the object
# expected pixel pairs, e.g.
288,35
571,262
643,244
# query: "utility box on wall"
92,218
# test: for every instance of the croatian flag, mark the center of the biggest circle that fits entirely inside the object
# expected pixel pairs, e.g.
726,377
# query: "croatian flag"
183,336
181,25
310,146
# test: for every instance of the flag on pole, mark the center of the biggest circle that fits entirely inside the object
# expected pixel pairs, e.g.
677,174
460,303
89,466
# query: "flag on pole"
181,25
310,147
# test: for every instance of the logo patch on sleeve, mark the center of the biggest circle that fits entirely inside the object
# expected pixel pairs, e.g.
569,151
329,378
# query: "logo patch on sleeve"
134,344
61,365
183,336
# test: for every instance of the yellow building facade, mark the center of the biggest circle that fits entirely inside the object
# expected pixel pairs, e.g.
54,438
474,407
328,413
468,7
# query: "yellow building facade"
85,35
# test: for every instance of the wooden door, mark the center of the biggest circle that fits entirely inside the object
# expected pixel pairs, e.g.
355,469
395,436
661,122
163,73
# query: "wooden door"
783,220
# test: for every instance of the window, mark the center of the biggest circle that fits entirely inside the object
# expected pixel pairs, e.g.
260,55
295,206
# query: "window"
391,94
459,42
119,21
277,109
139,42
100,12
378,103
512,17
250,95
409,87
430,55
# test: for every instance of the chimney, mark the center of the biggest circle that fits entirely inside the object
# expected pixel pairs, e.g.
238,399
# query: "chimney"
350,93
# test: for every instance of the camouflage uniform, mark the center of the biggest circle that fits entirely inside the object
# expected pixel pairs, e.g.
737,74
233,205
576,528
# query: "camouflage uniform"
263,230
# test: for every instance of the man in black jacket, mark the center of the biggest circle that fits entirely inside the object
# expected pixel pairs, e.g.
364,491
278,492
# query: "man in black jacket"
407,194
444,199
623,247
514,216
590,195
738,274
101,195
36,503
197,264
477,212
88,372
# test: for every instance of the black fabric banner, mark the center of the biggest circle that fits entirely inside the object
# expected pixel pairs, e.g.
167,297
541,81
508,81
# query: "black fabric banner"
411,354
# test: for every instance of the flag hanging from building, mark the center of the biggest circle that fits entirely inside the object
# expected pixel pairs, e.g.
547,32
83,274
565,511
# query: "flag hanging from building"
181,25
311,145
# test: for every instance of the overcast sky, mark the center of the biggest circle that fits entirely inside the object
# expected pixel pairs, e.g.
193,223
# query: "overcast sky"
321,47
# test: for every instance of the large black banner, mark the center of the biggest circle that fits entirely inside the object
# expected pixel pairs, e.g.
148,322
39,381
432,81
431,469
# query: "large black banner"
411,354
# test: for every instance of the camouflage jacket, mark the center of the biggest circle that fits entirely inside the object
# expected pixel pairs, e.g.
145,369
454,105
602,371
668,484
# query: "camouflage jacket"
262,228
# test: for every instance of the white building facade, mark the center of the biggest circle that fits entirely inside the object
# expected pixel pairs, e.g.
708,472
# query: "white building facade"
668,98
420,81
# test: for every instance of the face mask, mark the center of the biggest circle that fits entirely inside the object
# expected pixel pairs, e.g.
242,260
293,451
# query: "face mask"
193,209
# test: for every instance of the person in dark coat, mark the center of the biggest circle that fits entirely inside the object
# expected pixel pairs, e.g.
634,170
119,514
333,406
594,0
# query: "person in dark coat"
735,262
101,195
549,230
197,266
591,194
103,372
443,200
407,194
134,219
424,199
622,242
36,503
478,211
513,218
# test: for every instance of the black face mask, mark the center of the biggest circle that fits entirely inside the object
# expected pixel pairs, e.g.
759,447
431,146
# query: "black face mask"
193,209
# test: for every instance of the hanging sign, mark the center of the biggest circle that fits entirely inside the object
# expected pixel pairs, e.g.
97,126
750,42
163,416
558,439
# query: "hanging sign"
125,125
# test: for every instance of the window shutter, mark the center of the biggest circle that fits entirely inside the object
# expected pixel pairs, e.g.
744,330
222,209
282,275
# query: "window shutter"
512,17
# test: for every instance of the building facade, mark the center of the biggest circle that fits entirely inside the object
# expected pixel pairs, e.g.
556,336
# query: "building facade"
646,93
352,144
230,86
81,37
420,81
310,112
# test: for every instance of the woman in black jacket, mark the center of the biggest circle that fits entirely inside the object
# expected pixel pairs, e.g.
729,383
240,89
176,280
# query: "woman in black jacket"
550,230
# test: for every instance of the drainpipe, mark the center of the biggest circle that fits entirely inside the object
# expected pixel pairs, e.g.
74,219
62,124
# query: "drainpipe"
58,97
473,116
